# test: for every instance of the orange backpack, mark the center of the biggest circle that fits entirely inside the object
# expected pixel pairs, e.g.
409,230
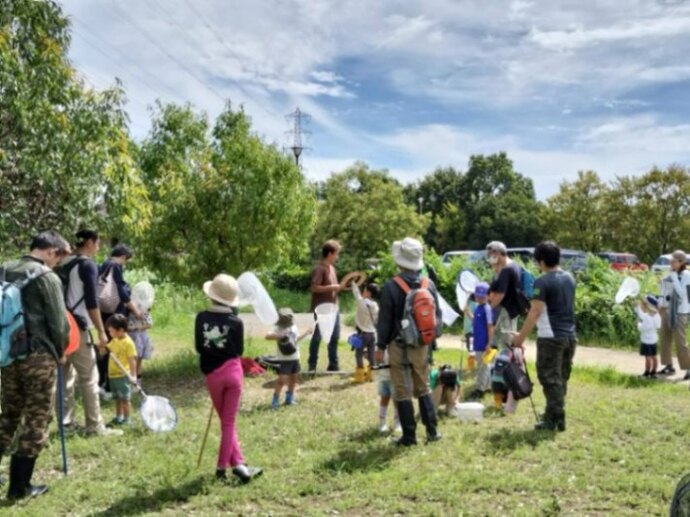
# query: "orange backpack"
419,326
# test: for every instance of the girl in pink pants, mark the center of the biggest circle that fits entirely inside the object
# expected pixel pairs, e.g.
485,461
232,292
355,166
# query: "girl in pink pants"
219,340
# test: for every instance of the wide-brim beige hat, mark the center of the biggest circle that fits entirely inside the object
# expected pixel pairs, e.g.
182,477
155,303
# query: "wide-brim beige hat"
222,289
408,254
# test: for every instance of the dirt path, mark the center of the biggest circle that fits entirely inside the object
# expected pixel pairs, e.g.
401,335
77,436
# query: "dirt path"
622,360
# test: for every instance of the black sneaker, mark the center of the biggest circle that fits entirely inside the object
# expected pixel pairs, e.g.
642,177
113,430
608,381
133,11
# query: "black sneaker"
686,377
246,474
646,373
405,441
332,368
546,425
433,437
667,370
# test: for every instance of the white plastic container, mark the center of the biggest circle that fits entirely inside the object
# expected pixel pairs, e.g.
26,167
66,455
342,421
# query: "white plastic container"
469,411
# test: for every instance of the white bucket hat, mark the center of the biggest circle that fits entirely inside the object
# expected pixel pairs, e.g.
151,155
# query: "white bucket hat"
409,254
222,289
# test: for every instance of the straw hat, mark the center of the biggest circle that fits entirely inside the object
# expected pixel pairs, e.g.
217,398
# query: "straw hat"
222,289
408,254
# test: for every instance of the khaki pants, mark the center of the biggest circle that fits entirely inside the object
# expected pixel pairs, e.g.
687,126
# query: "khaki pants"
677,334
81,369
417,372
504,327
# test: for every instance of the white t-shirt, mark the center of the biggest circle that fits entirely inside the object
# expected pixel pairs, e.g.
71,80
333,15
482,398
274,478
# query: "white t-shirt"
648,325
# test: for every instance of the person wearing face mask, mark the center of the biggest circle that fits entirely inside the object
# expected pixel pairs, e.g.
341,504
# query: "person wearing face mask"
675,294
505,291
553,312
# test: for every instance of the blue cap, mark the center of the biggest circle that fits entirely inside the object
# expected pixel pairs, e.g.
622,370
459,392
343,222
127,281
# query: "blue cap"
652,300
482,289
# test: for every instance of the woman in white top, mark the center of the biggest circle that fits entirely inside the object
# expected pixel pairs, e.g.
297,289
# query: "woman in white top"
677,299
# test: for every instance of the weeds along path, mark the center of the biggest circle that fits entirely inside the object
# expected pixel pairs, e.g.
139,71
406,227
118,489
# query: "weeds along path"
623,361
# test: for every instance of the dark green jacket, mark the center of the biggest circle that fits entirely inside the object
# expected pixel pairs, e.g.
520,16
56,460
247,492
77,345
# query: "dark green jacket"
44,306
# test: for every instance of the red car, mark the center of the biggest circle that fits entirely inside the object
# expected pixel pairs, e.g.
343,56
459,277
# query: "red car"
623,261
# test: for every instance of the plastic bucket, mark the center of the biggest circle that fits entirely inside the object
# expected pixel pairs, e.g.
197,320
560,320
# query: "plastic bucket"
469,411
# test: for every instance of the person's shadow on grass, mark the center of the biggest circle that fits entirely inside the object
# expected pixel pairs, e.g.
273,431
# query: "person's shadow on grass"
512,439
153,503
361,459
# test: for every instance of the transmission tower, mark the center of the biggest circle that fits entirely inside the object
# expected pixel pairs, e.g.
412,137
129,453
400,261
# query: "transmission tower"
299,119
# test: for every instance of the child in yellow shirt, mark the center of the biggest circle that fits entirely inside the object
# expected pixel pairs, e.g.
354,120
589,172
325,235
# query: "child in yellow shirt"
121,347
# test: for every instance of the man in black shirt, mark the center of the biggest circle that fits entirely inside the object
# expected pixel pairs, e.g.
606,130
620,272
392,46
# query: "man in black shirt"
553,311
505,290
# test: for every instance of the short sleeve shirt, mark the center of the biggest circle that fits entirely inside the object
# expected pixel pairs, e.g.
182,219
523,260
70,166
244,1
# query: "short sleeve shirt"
508,283
557,290
483,317
323,275
124,350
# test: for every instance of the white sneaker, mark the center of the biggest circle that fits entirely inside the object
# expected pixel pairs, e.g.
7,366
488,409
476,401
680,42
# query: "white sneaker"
105,395
106,431
397,429
383,428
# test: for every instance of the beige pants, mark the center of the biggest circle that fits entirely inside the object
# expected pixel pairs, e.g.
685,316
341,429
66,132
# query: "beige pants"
677,334
81,369
417,372
504,328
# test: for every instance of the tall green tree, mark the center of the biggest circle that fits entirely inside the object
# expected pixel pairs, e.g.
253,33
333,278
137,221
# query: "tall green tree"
650,214
499,203
575,217
65,153
441,196
366,211
224,200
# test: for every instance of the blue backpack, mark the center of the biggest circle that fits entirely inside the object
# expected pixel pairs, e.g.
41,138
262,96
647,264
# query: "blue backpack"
527,283
14,342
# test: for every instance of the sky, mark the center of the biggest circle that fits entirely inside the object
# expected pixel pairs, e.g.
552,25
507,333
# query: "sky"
413,85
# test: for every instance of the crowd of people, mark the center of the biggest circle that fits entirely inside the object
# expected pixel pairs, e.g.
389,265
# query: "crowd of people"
397,326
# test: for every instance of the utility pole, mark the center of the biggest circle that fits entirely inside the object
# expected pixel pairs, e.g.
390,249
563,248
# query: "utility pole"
299,119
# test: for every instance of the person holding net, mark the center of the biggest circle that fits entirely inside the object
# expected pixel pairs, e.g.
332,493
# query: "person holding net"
219,341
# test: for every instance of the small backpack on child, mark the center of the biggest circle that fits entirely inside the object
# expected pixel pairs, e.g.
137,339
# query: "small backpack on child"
419,326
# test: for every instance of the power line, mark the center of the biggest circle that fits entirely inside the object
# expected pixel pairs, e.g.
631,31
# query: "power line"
95,37
217,35
128,19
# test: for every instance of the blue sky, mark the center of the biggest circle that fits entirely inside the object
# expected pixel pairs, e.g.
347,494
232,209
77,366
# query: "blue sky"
408,85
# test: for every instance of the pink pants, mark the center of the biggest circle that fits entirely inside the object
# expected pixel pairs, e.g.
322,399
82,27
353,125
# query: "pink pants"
225,387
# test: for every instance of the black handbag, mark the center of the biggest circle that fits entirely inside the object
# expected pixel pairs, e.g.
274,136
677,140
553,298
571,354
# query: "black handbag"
517,380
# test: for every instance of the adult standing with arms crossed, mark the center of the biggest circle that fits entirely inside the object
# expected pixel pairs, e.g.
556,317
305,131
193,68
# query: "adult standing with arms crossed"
325,289
674,307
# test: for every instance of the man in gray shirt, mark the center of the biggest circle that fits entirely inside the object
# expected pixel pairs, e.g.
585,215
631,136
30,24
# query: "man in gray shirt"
553,311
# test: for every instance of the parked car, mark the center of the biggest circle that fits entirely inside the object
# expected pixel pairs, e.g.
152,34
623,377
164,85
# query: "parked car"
573,260
623,261
663,263
473,256
524,254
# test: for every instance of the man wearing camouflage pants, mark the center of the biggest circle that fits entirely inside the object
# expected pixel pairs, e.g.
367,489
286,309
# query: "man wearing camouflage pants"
553,311
28,385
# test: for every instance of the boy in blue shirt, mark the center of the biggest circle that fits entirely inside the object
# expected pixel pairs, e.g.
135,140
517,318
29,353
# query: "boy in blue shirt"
483,334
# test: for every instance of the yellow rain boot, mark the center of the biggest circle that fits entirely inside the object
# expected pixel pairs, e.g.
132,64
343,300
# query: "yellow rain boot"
368,374
359,376
471,362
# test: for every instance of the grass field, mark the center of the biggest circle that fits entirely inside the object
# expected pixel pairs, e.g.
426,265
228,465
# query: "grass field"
623,452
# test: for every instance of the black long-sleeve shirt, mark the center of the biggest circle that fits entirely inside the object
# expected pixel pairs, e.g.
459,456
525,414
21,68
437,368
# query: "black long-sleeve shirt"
218,337
392,307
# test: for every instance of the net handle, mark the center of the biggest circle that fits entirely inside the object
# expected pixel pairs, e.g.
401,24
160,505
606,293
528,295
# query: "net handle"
131,379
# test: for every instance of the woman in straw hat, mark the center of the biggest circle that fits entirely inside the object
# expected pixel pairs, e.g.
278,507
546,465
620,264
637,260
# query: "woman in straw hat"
219,340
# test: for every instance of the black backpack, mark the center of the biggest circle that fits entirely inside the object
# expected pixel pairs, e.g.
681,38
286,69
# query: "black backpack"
517,380
680,504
